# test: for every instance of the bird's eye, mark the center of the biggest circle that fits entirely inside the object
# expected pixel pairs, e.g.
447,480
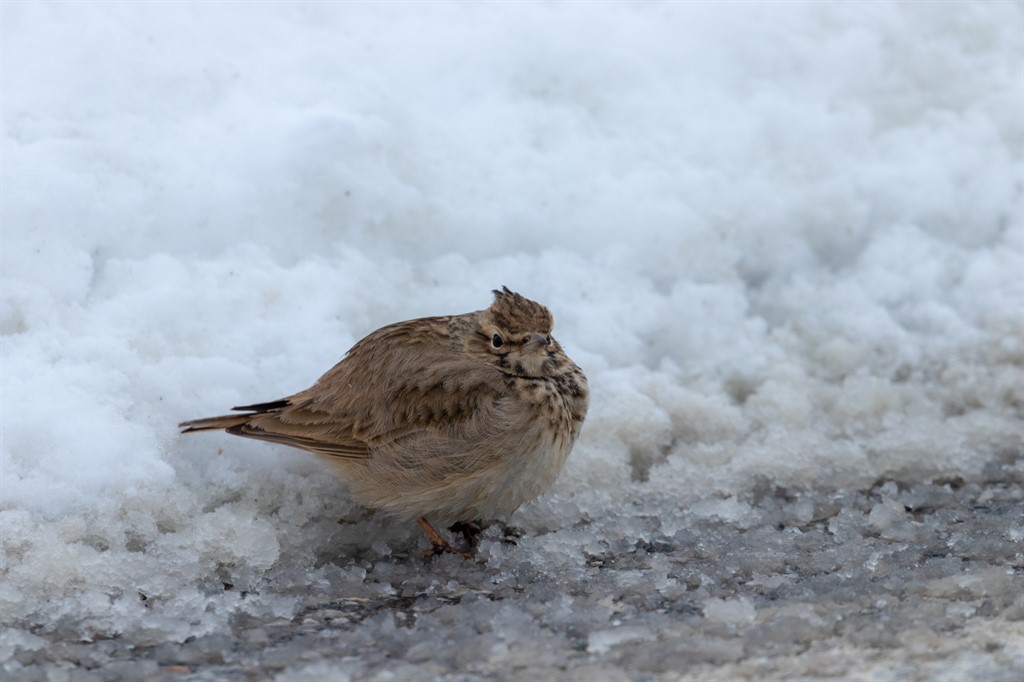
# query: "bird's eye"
496,341
548,337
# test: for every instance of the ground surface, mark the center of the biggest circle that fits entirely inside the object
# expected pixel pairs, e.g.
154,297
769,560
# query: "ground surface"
901,582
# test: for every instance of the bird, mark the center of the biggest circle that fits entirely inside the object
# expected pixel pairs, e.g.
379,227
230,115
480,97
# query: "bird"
461,418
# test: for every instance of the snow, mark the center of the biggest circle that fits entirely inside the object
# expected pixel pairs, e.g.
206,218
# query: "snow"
784,240
730,611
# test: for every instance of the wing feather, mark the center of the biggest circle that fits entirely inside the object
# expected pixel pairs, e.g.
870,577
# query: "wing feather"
404,387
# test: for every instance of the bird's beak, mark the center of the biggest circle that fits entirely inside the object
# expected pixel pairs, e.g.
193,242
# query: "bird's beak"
537,341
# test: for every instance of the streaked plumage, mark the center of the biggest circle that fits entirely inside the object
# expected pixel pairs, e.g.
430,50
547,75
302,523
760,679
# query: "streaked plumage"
454,418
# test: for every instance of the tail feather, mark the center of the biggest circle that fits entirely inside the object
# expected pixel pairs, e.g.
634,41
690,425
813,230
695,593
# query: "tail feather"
263,407
226,421
230,421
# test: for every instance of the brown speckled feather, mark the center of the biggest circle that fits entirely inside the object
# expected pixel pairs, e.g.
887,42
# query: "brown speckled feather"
461,417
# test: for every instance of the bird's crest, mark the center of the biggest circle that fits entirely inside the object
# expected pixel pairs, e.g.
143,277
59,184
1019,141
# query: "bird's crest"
517,314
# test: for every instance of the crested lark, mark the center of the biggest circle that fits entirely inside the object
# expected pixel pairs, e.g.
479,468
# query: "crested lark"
457,418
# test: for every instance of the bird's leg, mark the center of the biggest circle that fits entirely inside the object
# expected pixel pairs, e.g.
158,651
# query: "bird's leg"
440,545
470,531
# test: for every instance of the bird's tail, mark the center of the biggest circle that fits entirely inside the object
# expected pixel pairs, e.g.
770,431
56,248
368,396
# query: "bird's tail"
214,423
229,421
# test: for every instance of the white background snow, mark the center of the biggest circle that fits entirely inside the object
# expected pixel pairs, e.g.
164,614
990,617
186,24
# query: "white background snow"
784,240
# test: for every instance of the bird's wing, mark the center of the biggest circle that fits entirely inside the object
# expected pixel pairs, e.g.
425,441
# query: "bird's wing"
393,385
311,442
439,452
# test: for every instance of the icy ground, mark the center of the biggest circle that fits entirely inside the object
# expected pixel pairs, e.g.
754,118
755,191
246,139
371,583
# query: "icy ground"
892,583
785,241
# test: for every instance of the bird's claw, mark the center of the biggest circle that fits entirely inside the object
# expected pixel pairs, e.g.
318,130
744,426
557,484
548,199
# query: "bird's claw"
445,548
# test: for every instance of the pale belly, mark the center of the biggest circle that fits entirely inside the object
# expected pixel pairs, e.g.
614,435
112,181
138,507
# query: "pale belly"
506,486
474,484
488,493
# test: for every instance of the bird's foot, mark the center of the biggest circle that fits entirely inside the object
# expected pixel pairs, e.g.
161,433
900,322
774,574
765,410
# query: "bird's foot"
438,544
446,548
470,531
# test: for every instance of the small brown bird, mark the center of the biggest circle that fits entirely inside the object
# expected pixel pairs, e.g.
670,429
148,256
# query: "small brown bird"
459,418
